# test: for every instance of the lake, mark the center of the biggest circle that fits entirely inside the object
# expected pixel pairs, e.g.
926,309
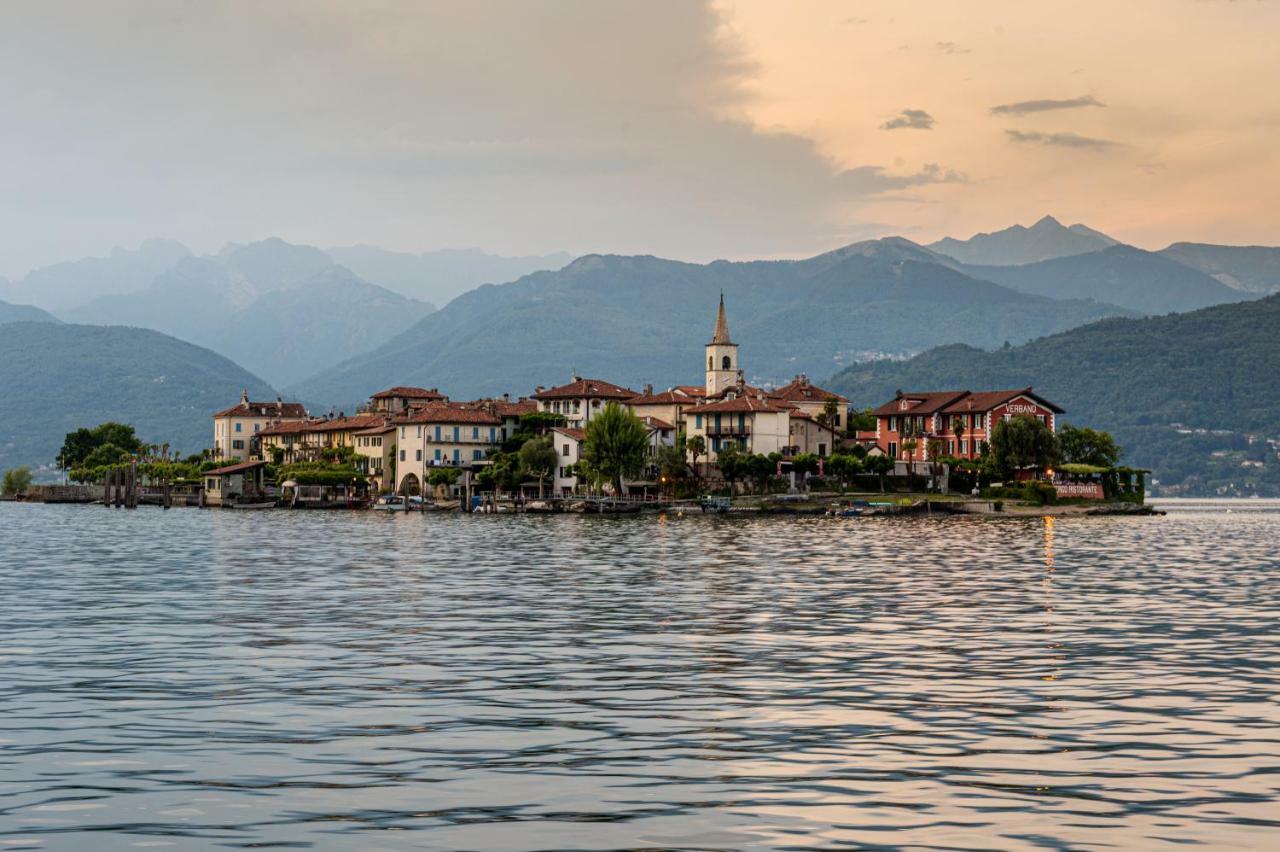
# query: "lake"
205,679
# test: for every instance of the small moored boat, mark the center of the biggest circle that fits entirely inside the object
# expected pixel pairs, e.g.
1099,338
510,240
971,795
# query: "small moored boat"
390,503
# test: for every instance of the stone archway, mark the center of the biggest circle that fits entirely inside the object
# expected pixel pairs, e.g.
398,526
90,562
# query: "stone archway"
410,486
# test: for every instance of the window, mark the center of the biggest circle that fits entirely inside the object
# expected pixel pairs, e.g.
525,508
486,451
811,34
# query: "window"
437,433
893,424
211,485
401,431
419,432
893,449
437,454
237,445
237,427
835,421
402,455
419,455
457,455
564,450
476,455
725,363
258,426
951,448
697,421
457,435
964,447
822,450
475,433
493,434
710,362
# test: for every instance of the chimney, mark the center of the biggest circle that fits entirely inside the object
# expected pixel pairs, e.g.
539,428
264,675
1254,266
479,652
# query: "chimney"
506,397
648,390
244,397
539,389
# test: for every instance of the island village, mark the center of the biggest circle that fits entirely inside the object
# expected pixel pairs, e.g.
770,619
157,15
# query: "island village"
413,447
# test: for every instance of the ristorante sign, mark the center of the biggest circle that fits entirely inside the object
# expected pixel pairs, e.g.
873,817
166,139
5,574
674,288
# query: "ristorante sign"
1087,490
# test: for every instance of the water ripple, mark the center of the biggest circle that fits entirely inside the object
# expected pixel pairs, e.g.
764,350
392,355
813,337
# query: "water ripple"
335,680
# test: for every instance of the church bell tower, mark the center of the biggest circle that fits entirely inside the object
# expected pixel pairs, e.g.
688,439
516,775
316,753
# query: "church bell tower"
722,357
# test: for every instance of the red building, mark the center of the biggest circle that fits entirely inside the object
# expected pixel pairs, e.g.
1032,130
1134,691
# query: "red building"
960,422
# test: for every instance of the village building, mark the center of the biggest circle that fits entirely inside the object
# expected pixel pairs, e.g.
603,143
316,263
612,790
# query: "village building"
755,424
567,443
401,398
811,435
956,423
814,401
581,399
668,405
376,455
445,435
225,485
307,440
236,429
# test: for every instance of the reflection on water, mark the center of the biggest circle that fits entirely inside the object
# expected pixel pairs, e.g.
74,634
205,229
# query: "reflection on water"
341,680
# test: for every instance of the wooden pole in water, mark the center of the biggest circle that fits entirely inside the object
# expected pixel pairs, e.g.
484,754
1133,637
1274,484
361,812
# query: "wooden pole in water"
166,499
106,489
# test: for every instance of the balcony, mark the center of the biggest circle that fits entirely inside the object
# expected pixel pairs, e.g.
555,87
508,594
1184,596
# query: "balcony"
728,430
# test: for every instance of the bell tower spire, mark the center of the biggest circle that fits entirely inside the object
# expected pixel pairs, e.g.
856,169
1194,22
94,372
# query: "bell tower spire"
722,356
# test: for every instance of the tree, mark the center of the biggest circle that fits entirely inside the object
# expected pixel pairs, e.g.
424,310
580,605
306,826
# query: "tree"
861,421
805,464
933,448
442,477
879,465
673,462
760,468
1081,445
1022,442
616,445
957,426
844,467
697,446
16,481
538,458
830,408
77,445
732,462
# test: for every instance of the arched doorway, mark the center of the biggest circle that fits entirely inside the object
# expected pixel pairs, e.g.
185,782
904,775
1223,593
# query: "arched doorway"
410,486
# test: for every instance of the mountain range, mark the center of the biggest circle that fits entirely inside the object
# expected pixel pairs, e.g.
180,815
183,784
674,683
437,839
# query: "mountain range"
644,319
439,276
24,313
1193,396
281,310
61,377
1046,239
1250,269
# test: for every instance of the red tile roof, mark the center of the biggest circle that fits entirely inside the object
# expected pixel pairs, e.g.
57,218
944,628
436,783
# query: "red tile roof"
668,397
408,393
800,389
920,403
746,404
692,390
332,424
575,434
656,423
987,400
264,409
451,413
587,389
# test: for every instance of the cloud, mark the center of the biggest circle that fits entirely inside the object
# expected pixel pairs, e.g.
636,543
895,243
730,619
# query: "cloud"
916,119
873,180
950,48
1061,140
409,124
1045,105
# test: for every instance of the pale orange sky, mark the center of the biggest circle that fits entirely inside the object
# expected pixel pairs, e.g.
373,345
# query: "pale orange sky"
1191,91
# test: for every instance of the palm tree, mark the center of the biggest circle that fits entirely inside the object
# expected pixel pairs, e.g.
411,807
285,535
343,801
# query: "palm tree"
697,446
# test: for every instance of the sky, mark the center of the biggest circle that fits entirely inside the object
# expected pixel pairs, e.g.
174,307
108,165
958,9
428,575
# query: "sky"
731,128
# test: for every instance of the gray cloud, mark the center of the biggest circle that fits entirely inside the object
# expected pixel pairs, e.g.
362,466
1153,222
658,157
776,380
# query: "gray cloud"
406,123
1061,140
1046,105
873,180
916,119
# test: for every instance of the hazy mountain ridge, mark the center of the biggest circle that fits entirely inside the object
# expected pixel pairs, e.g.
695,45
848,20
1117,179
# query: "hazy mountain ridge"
644,319
442,275
281,310
1046,239
69,284
1139,280
1217,368
24,313
68,376
1250,269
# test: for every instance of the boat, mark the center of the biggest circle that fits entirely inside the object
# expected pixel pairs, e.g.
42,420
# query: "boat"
848,509
390,503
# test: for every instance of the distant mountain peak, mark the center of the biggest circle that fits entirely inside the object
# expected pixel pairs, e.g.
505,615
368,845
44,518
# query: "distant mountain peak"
1048,238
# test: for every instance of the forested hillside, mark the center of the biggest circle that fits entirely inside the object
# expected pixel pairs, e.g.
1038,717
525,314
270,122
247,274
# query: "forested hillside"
1193,396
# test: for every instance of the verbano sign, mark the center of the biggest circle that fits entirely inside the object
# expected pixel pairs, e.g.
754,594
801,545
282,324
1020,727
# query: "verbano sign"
1022,408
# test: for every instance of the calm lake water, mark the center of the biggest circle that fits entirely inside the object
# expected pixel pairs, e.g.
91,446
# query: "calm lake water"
198,679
